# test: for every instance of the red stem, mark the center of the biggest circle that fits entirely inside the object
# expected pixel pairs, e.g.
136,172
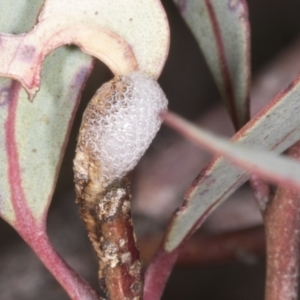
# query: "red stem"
282,221
32,232
158,273
261,191
75,286
203,249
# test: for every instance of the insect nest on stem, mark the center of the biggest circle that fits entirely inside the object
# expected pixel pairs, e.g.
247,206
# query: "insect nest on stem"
117,127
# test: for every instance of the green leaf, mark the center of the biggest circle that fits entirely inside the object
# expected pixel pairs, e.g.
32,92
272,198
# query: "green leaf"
34,134
267,164
276,127
126,36
221,29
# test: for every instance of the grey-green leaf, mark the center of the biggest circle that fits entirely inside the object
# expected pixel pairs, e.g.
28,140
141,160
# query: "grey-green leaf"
276,127
221,29
33,135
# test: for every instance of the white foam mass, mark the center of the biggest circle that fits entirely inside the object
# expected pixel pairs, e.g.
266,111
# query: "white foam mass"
119,134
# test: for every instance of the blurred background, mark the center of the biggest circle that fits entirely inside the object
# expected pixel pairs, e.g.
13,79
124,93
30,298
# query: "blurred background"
225,260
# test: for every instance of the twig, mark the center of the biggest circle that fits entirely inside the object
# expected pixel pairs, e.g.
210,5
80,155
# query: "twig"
75,286
282,222
261,191
102,186
202,249
158,273
120,266
107,217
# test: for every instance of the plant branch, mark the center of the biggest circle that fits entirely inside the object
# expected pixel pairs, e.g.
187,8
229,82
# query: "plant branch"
261,191
282,221
203,249
75,286
120,266
158,273
107,218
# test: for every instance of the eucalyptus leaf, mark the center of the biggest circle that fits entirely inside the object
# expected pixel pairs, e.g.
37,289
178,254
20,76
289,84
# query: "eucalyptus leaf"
277,169
34,134
276,127
221,29
116,33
